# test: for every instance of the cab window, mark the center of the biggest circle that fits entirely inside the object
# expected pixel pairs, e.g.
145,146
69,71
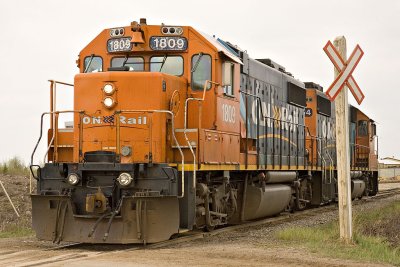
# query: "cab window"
373,125
201,71
362,128
93,64
134,63
227,78
167,64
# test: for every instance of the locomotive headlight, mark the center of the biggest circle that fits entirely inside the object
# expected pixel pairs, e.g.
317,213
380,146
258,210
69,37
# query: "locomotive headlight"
124,179
179,30
108,102
108,89
73,179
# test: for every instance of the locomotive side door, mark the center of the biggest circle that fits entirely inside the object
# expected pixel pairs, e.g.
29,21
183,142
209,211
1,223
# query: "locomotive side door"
218,123
227,121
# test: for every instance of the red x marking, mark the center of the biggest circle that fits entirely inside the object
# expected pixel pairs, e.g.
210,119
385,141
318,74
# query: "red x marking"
346,70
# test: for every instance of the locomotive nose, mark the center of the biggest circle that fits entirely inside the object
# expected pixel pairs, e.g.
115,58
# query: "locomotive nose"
125,123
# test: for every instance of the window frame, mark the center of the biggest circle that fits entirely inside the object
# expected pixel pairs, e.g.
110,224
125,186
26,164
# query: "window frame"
144,62
362,134
183,64
191,73
94,56
232,78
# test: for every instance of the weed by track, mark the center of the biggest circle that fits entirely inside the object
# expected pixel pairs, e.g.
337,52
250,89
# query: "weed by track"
376,236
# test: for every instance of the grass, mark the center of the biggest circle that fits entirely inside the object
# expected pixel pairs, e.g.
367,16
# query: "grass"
16,231
14,166
10,224
368,244
13,226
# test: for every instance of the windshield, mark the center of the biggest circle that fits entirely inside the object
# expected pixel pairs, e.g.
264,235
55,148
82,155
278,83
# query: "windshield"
167,64
362,128
93,64
134,63
201,71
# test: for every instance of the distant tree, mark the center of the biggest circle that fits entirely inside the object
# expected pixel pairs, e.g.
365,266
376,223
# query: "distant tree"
4,168
14,166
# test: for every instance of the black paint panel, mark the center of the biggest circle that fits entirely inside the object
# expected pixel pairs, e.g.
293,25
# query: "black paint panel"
296,95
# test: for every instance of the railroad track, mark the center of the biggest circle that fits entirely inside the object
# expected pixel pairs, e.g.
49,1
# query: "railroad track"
67,253
387,193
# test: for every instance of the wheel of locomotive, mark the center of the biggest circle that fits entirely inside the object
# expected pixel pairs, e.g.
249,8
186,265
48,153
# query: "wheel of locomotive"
210,228
304,193
300,205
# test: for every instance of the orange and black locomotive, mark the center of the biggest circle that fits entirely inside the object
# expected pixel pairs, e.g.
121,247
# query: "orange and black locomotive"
174,130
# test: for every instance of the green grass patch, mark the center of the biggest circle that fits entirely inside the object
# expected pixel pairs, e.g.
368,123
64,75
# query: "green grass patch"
14,166
374,237
16,231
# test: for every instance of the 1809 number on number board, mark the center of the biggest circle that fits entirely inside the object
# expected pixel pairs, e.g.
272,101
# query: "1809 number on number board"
168,43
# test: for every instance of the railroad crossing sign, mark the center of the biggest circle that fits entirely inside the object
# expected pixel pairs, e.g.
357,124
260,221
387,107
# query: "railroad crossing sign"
346,69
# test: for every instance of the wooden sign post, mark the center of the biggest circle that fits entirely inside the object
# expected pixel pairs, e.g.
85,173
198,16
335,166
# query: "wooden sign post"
343,76
342,152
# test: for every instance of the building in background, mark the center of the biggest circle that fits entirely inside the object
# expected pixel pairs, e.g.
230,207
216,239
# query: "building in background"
389,168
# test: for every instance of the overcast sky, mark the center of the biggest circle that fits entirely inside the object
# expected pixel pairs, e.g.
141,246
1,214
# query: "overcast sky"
41,40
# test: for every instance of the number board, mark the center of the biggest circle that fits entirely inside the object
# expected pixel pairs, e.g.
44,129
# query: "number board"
119,44
173,43
308,112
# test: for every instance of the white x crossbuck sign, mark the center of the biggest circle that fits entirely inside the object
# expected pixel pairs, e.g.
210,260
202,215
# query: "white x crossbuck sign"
346,69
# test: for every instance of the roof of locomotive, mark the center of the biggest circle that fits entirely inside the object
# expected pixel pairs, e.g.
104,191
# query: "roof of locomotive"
362,112
212,42
217,43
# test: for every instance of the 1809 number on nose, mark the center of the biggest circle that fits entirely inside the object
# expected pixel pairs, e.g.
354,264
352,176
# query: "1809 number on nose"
168,43
119,44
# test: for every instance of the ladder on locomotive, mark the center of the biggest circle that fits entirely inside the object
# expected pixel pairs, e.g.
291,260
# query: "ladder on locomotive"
322,150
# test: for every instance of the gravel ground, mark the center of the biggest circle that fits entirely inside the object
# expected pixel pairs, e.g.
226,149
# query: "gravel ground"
253,246
17,188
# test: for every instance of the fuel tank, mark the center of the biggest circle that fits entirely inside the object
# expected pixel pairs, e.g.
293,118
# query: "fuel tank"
274,177
357,188
262,203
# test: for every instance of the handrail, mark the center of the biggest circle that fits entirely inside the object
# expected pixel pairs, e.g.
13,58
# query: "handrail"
196,99
41,129
53,107
357,145
53,98
331,165
63,83
185,126
360,150
319,151
118,112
